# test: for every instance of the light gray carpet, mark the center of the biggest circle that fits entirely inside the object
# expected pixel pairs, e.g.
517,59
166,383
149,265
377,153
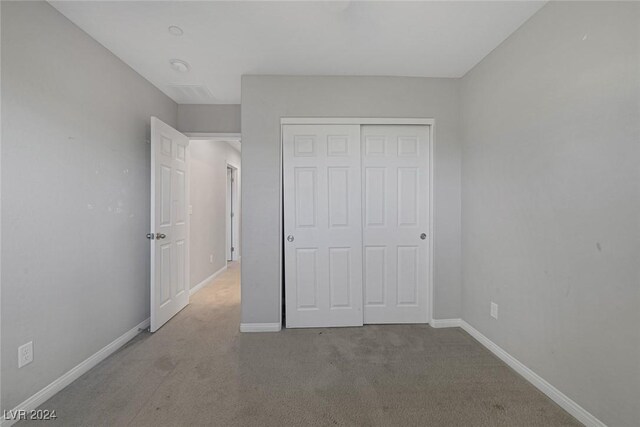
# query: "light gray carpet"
199,370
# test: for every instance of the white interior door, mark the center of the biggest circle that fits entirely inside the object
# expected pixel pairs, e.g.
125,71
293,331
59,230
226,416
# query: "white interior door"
169,223
322,225
395,201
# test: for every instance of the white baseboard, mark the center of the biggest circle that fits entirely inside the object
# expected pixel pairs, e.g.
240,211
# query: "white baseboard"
206,281
445,323
554,394
540,383
46,393
260,327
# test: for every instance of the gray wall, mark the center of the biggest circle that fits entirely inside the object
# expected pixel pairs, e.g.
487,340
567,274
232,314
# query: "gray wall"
75,195
209,118
208,196
551,202
265,99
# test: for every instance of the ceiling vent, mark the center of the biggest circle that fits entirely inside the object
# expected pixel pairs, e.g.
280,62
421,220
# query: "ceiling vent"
190,94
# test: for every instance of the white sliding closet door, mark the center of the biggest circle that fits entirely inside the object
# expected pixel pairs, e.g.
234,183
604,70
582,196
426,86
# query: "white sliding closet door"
322,225
395,202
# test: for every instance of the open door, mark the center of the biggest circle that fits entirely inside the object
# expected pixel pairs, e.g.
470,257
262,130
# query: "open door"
169,236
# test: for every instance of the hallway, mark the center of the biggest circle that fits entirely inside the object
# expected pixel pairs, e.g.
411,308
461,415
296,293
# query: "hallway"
199,370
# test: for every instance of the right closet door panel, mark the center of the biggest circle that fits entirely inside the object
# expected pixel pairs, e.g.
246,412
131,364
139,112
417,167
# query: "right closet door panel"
395,220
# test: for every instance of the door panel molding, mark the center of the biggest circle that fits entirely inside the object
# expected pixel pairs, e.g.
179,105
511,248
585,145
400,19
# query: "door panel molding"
405,149
169,223
403,166
322,225
356,121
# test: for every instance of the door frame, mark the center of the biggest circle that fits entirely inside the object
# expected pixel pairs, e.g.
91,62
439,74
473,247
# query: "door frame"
430,122
235,230
213,136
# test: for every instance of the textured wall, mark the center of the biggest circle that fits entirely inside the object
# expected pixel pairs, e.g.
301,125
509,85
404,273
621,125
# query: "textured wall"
75,195
551,201
265,99
209,118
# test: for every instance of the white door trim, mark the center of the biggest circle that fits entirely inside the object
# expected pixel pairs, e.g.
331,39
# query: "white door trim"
363,121
233,139
355,121
210,136
235,196
260,327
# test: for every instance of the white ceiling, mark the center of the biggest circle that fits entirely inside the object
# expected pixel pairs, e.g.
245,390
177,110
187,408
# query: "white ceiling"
224,40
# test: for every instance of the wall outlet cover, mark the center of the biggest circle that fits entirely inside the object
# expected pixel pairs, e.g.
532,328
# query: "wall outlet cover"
494,310
25,354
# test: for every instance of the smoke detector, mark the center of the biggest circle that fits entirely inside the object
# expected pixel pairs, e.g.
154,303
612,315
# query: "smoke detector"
180,65
175,31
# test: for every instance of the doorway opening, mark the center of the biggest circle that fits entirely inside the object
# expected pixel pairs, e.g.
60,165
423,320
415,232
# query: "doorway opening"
202,221
215,209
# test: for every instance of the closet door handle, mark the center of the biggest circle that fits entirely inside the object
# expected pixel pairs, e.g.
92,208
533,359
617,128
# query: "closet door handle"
290,238
423,236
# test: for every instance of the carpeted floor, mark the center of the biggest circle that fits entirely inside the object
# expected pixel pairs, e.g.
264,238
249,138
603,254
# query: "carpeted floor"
199,370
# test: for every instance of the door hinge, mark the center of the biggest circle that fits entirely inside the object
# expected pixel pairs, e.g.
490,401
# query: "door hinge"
233,249
232,214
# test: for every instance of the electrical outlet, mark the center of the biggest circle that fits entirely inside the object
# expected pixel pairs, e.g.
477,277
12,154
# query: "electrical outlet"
494,310
211,259
25,354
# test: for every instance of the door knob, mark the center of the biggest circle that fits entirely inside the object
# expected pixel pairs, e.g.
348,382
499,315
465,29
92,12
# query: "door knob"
160,236
423,236
290,238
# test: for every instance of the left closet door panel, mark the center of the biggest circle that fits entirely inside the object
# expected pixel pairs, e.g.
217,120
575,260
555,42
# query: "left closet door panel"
322,225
